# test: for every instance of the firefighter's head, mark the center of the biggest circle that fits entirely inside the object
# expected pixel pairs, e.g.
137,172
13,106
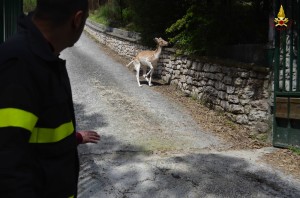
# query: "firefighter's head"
61,21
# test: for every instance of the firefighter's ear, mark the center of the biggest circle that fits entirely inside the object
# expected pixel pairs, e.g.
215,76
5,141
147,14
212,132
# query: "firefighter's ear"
78,17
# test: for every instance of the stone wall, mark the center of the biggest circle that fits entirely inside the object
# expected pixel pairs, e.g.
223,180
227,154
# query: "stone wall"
241,93
123,42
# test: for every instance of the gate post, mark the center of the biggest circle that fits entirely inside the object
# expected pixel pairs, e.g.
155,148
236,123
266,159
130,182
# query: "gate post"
9,12
2,20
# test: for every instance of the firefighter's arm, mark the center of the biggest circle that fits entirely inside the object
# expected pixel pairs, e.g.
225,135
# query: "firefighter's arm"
16,167
17,121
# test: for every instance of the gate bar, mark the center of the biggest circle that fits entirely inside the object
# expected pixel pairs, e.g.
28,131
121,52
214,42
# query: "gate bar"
292,47
298,52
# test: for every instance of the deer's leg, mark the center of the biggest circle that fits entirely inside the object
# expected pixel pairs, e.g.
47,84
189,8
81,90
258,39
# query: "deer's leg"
145,72
150,78
150,73
137,66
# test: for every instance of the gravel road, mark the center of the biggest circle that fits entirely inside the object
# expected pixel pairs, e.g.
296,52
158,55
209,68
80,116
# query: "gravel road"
150,146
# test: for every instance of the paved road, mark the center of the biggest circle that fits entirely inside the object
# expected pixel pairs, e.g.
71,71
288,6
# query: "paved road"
150,146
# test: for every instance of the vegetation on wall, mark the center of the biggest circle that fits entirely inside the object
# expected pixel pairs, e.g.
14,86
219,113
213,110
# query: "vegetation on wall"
109,13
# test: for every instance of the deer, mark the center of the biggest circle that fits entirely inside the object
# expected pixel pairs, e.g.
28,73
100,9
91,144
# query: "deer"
147,58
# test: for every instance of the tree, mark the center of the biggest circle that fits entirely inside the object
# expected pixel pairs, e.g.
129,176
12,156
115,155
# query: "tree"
93,4
209,24
152,17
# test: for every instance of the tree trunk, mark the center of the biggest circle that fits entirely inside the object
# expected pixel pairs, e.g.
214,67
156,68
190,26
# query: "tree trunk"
93,4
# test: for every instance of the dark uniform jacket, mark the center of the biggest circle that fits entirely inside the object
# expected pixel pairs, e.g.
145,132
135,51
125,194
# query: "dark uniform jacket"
38,149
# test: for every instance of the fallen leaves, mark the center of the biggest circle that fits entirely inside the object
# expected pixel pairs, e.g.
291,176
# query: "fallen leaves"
285,160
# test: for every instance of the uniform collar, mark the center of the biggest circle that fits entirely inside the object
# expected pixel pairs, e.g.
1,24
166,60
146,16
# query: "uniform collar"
38,44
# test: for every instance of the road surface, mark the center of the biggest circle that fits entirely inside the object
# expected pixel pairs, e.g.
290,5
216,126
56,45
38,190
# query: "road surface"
150,146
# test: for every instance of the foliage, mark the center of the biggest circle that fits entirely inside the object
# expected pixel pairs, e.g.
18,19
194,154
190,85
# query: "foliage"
152,17
29,5
210,24
191,30
108,14
196,27
97,17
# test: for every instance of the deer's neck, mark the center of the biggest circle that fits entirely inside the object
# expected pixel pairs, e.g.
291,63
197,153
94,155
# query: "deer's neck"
157,52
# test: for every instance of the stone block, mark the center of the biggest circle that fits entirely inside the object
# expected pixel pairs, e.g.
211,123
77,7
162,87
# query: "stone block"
236,109
219,76
206,67
225,104
257,115
189,64
230,89
227,80
194,65
238,82
233,99
242,119
215,68
220,86
189,80
262,105
262,127
222,95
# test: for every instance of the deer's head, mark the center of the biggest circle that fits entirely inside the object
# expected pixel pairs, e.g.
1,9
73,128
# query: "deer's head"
161,42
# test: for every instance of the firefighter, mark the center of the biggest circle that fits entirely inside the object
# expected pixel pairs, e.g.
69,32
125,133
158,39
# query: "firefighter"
38,144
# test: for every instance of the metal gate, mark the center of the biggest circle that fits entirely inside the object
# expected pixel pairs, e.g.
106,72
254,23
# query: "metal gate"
9,12
286,129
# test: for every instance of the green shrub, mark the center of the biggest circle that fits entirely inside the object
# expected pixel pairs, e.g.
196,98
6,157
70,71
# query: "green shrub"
127,15
207,25
295,150
108,14
28,5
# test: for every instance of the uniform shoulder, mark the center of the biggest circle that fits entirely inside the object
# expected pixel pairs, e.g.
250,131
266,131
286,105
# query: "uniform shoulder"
15,47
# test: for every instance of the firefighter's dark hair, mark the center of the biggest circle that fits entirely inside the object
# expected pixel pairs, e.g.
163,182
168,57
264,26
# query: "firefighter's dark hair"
58,11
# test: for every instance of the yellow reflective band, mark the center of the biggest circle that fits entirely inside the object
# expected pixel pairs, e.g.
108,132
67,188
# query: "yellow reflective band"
72,196
46,135
11,117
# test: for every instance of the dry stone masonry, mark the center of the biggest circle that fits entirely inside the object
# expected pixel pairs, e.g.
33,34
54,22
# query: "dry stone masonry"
241,93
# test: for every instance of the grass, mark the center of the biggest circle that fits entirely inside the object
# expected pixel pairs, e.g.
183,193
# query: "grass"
295,150
97,17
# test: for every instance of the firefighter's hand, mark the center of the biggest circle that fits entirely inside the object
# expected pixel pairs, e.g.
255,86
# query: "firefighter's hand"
89,137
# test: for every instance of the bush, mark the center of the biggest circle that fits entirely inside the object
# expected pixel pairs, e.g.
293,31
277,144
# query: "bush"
208,25
152,17
190,32
108,14
28,5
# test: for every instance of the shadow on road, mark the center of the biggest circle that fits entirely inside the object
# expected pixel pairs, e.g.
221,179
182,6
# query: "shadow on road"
115,169
130,173
154,82
86,121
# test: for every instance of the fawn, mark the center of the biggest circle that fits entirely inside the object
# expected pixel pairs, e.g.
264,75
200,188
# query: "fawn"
147,58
